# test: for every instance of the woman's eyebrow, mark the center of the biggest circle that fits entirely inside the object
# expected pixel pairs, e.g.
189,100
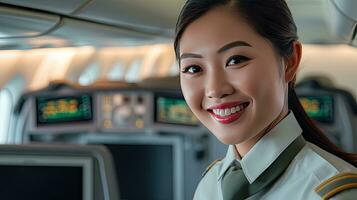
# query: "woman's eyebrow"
222,49
232,45
190,55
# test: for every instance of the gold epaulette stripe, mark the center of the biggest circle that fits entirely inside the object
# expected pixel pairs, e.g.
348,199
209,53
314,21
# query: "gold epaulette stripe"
336,184
334,178
339,189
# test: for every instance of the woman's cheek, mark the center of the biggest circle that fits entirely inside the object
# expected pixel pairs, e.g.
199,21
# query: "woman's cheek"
190,91
247,81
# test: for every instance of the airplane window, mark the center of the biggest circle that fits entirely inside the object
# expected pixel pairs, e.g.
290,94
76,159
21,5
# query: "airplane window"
117,72
162,63
53,67
174,69
5,107
90,74
132,74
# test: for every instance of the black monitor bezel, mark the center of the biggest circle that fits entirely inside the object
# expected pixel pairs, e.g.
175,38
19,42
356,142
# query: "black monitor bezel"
33,159
175,142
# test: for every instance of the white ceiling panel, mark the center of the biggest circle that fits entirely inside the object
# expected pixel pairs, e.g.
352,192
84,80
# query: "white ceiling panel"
105,21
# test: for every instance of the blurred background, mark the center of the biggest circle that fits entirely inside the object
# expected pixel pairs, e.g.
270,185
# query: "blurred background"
101,76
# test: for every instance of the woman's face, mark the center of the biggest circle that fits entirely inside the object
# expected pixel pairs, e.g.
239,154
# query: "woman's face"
231,77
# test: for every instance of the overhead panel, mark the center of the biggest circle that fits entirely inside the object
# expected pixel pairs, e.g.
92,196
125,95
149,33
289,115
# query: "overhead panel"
89,33
57,6
348,9
155,16
344,18
21,23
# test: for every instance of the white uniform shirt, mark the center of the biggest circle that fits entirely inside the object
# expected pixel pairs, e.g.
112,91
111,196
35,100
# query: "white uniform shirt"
310,167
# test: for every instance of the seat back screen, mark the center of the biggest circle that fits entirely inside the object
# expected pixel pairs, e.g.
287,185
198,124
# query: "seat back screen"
319,108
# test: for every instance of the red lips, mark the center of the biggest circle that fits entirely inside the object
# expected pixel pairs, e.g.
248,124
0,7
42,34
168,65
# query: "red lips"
229,118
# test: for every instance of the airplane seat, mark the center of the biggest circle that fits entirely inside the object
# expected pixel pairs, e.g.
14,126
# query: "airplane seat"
333,109
71,172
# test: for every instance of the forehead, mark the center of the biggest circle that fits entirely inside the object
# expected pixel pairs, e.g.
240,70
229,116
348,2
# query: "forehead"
217,27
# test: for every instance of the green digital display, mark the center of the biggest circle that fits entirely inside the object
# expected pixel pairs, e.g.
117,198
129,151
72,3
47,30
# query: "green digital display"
319,108
174,111
64,109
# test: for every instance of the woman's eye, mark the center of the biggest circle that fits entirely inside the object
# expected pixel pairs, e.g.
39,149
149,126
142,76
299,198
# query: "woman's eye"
192,69
234,60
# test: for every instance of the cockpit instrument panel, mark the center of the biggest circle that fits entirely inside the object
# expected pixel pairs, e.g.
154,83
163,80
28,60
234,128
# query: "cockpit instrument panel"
120,111
113,111
64,109
173,110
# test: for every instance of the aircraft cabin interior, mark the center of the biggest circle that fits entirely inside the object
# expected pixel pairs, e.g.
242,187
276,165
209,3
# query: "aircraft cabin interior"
91,106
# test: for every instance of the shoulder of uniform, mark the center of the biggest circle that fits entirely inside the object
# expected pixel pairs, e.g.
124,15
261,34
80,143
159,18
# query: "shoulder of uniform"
336,184
210,166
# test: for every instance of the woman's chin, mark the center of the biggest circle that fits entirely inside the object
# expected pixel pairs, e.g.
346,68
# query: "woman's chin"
230,139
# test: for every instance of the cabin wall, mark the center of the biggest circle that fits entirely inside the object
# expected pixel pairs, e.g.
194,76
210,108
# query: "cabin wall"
39,66
338,62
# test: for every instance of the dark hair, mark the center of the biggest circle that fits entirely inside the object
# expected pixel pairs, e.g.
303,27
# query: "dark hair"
271,19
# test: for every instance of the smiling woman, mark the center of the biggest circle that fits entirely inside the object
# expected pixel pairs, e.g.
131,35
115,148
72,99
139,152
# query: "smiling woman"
240,80
238,61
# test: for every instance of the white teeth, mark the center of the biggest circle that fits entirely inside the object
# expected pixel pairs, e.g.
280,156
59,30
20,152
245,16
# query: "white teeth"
233,110
238,109
221,112
227,111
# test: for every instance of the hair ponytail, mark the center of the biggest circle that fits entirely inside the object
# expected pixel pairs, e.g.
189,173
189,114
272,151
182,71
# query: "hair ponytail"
312,133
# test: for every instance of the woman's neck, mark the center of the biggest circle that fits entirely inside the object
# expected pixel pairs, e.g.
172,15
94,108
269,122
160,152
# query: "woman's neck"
243,148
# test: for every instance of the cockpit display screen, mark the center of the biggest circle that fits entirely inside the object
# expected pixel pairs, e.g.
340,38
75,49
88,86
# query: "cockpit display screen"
319,108
65,109
172,110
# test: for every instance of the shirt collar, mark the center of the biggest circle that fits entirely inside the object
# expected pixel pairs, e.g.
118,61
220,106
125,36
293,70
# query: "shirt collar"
266,150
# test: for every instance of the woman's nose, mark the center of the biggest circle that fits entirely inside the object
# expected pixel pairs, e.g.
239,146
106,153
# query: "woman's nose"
217,86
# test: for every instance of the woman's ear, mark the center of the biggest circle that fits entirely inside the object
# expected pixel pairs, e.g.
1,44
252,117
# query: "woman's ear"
292,62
